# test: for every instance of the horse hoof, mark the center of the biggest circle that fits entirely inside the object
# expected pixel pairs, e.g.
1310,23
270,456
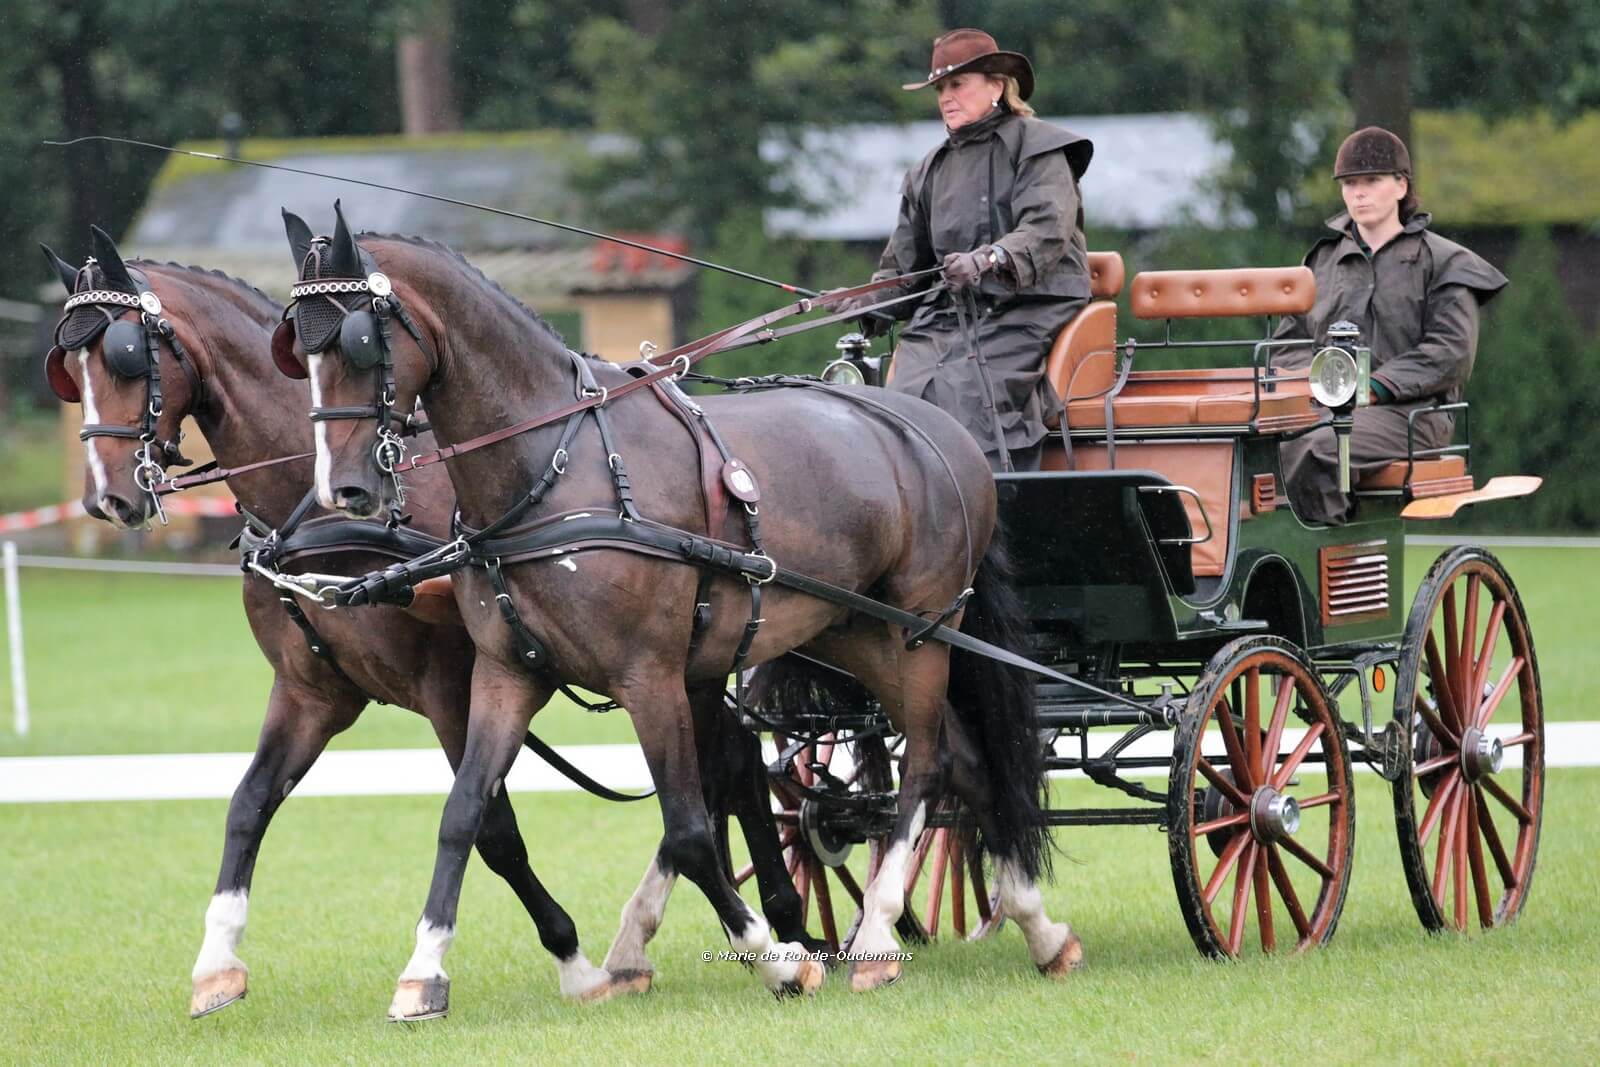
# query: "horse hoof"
808,978
1069,959
216,991
621,984
867,975
418,999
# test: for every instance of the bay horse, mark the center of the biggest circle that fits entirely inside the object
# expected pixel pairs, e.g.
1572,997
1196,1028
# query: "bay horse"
420,659
888,497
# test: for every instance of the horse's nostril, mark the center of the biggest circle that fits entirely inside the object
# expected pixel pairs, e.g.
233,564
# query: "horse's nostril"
118,507
352,498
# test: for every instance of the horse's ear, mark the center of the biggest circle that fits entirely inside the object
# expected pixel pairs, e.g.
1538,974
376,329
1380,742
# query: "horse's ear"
110,260
299,235
346,256
63,270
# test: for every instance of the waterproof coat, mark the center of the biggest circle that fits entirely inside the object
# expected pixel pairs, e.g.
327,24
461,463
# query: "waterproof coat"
1416,303
1011,182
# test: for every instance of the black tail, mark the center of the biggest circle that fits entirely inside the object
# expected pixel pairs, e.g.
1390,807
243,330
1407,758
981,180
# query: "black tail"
995,704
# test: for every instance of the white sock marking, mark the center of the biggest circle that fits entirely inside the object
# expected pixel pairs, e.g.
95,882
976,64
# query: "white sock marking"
886,895
428,959
225,917
641,918
1019,895
578,975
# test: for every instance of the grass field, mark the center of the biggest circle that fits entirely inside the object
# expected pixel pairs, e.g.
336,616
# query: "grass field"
104,906
135,663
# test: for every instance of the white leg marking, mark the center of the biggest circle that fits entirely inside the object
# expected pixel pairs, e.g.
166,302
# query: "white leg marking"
224,929
1019,895
886,896
319,433
578,975
776,963
641,918
428,960
91,414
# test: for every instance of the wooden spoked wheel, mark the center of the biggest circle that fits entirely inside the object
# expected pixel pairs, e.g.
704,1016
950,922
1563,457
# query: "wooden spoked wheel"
831,880
1261,814
1467,809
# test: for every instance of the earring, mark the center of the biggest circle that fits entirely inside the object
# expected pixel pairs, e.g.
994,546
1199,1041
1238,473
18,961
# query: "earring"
995,102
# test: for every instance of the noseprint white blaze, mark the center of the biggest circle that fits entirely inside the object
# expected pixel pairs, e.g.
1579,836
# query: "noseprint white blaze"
319,433
91,414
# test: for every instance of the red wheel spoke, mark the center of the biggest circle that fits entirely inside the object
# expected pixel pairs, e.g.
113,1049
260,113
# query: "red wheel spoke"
1491,634
802,885
850,884
819,878
1447,841
1252,724
980,889
1519,739
958,889
1435,725
1465,668
1449,725
1513,805
1491,835
1441,794
1223,823
1501,688
1280,715
1241,897
1319,800
1452,679
941,863
1225,862
919,856
1304,855
786,818
1291,900
1460,861
1230,741
1436,764
1263,897
743,875
1480,878
1216,778
1297,757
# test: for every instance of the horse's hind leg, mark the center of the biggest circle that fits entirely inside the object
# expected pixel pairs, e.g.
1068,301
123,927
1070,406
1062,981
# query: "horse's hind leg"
662,719
299,723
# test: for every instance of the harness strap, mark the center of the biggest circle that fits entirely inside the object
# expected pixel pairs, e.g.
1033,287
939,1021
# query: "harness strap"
530,649
319,648
560,763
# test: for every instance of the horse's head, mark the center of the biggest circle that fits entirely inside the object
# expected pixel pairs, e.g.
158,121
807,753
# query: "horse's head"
348,330
116,352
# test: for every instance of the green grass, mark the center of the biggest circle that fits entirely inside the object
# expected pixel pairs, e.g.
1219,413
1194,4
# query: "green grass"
134,663
104,907
30,455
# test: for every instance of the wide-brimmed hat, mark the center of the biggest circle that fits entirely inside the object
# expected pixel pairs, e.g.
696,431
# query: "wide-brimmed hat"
1372,150
974,50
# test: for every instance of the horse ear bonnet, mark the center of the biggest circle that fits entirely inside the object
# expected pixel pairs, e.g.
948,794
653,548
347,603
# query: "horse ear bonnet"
318,319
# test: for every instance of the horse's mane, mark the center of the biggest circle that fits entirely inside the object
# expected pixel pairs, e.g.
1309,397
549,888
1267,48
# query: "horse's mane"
436,246
243,287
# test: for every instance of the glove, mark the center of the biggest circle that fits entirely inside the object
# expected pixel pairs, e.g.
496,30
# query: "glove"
963,269
871,325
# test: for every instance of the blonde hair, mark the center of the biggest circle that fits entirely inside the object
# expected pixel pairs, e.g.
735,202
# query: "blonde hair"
1013,98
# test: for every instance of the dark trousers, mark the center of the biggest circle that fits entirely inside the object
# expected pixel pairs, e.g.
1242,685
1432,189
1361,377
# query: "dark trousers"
1311,462
1022,459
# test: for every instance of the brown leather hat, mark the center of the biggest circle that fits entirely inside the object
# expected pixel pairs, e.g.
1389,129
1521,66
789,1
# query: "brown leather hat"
974,50
1372,150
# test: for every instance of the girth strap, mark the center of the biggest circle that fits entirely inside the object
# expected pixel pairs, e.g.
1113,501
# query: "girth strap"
530,650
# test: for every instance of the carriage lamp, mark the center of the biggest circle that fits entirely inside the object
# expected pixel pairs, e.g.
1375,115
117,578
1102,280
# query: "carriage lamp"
1340,381
853,366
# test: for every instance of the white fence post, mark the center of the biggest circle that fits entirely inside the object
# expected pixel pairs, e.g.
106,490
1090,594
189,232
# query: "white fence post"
19,678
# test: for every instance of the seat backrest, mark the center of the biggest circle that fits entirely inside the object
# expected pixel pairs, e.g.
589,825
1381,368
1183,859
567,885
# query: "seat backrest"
1189,294
1083,360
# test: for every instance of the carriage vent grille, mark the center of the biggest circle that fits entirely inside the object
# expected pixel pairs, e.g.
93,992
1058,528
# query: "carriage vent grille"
1354,582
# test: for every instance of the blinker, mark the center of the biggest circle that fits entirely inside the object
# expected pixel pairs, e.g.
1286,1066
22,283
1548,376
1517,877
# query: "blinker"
358,339
124,348
283,356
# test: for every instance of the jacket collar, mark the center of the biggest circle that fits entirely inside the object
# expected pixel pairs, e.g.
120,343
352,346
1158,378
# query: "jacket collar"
1341,224
979,130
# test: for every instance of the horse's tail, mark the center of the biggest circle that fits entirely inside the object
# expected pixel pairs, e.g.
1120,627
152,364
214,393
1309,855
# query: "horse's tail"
996,707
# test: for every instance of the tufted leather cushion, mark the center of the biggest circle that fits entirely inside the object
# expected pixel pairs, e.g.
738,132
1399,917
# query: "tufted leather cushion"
1188,294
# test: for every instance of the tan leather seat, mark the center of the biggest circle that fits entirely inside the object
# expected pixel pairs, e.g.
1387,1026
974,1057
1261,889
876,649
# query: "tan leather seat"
1443,469
1083,360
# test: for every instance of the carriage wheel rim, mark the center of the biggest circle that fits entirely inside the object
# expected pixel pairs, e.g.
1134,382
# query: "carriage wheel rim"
1469,677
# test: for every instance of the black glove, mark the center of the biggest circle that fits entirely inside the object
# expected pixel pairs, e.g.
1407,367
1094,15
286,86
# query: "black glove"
963,269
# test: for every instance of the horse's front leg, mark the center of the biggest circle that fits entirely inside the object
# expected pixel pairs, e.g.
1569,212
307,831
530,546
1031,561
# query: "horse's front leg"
299,723
661,717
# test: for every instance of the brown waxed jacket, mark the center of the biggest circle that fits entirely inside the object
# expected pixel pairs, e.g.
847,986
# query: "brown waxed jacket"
1416,301
1011,182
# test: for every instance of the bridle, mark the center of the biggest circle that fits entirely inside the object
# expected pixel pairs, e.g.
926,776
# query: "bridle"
357,312
132,350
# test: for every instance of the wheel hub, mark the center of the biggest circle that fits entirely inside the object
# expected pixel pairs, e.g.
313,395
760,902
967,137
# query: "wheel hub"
830,845
1481,754
1273,815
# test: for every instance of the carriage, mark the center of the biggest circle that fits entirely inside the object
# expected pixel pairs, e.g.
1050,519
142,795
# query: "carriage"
1213,639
